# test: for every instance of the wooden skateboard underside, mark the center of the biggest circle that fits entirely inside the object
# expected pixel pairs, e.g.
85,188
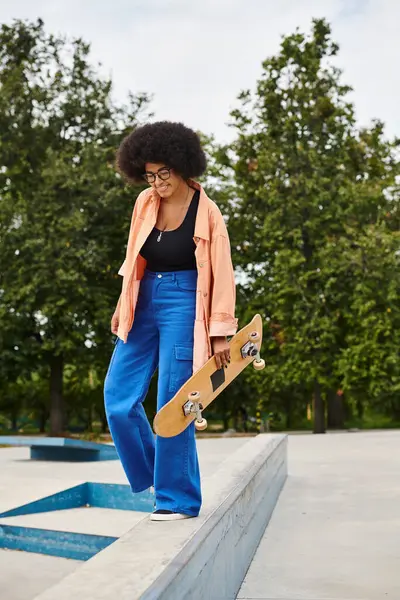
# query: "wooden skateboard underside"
208,381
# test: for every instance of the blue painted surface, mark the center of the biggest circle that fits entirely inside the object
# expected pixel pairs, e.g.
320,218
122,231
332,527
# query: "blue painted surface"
65,544
22,440
79,546
65,454
100,495
74,497
62,449
121,497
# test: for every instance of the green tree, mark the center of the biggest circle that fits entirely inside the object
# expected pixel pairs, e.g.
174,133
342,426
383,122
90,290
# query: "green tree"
369,361
64,211
306,184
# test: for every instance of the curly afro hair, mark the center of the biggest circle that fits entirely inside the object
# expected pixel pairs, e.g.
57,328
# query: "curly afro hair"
172,144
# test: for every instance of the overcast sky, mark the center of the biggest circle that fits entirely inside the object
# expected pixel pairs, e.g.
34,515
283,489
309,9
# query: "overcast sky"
195,56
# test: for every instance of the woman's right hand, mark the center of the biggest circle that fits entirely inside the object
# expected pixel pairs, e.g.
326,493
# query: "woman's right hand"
115,321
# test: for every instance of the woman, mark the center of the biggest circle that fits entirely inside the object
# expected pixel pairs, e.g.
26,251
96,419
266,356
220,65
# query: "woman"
176,308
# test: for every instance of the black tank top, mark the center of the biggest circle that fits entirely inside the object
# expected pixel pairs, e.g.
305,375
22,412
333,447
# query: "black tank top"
175,249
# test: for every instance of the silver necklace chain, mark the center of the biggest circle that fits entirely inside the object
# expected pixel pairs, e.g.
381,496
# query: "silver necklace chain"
182,207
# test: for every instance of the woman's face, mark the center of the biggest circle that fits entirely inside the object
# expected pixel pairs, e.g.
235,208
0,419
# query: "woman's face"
163,179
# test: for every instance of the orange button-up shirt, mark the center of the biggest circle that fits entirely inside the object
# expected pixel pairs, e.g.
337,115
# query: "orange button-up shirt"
216,290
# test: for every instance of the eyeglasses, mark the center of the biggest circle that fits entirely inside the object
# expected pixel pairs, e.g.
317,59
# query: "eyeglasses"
164,173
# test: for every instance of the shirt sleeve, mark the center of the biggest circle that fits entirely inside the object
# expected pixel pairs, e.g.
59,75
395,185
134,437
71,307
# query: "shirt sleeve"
223,299
122,269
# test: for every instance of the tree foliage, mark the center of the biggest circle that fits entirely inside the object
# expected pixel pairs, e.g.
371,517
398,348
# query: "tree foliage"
312,202
314,215
64,211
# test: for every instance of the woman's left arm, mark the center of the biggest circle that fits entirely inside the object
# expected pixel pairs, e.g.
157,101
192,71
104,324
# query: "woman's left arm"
222,321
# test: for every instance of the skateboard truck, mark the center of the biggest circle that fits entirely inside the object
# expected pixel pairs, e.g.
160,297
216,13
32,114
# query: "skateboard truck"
251,349
193,406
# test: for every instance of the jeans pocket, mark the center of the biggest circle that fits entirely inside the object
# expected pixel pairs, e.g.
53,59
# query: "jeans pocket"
181,367
187,282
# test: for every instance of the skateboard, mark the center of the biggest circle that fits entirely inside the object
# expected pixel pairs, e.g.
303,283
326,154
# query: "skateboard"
208,382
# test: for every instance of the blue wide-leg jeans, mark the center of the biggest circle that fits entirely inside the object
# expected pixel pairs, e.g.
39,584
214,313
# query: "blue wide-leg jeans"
161,336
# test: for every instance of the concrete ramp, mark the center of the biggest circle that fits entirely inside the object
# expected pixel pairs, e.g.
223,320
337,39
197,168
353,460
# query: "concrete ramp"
203,558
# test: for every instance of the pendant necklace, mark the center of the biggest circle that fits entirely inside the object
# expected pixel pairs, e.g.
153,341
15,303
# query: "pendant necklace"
182,207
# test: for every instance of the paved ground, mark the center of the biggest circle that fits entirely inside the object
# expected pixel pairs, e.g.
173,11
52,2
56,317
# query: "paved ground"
335,532
24,575
334,535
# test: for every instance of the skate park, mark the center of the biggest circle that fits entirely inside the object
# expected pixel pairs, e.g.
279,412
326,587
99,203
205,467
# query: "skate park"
284,517
170,171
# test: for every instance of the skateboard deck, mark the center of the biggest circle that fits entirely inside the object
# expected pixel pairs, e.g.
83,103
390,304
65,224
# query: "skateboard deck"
205,385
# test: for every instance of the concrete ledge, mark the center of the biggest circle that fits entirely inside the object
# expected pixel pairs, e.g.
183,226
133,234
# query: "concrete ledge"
62,449
203,558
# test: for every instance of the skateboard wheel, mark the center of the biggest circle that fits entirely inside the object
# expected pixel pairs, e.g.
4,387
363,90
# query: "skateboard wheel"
259,365
254,336
201,425
194,396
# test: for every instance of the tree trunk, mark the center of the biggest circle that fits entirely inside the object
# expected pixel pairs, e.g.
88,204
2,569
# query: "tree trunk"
14,421
225,420
89,419
360,409
289,412
104,423
335,411
236,421
43,416
319,410
57,408
395,409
